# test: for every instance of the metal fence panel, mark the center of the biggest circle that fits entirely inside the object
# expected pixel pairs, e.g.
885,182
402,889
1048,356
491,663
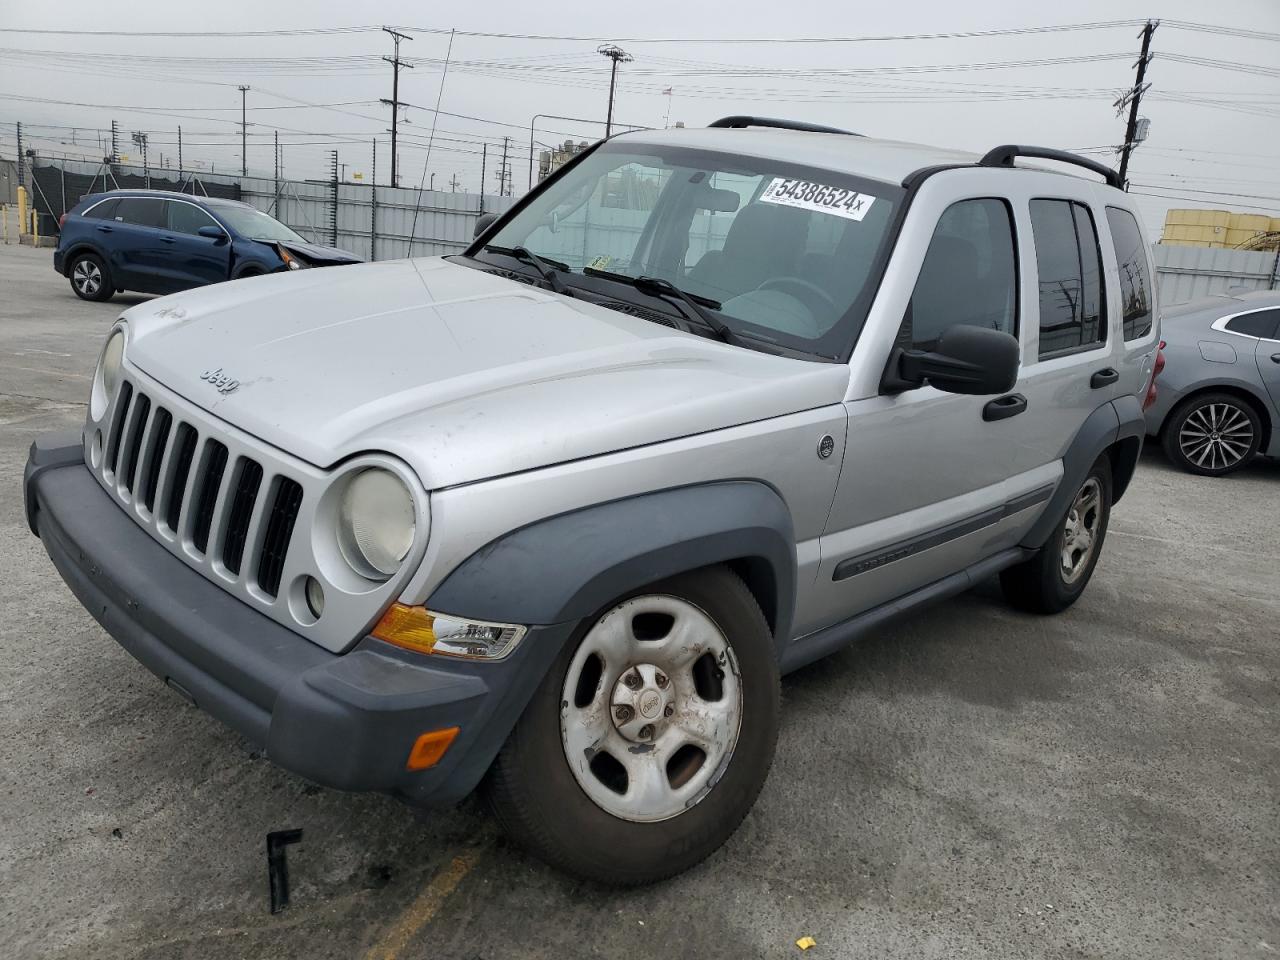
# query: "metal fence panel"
1188,273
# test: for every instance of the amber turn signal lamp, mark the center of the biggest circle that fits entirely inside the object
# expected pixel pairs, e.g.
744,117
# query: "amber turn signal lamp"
408,627
429,748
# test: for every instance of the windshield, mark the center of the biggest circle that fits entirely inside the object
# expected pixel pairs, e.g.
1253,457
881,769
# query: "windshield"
255,224
785,254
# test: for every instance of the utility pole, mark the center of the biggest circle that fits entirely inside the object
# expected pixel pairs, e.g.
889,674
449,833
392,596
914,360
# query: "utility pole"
140,139
453,184
244,137
503,172
396,64
1132,98
484,159
617,55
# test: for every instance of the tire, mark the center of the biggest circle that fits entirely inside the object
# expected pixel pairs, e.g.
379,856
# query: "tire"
728,697
1045,584
1212,434
249,272
90,279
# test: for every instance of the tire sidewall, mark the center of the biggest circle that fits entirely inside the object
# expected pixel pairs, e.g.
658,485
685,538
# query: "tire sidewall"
626,851
1173,448
105,291
1065,593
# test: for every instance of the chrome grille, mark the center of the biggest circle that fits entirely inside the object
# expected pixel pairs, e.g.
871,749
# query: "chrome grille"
186,486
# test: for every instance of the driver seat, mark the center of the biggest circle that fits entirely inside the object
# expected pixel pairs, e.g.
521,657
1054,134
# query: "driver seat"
764,241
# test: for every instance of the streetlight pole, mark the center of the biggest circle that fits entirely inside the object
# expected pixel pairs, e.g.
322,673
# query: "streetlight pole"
617,55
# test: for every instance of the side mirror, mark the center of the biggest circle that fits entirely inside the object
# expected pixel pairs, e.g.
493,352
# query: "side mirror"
213,233
968,360
483,223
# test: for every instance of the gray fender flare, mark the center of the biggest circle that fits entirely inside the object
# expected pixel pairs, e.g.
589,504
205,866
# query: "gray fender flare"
1118,424
571,566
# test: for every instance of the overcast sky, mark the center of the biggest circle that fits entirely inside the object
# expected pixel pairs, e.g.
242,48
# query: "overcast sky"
1214,135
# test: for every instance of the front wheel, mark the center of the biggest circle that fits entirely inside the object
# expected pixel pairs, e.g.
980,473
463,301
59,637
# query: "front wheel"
649,739
90,278
1055,577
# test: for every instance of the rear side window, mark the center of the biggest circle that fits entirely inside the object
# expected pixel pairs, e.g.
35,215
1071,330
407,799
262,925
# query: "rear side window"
1261,323
1069,262
143,211
1135,275
106,210
969,275
187,217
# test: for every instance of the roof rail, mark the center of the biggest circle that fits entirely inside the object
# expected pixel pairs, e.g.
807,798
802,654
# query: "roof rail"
738,122
1003,156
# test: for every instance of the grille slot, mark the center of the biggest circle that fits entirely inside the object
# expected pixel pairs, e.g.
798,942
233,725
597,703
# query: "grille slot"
155,457
133,440
117,425
275,545
206,495
248,480
184,451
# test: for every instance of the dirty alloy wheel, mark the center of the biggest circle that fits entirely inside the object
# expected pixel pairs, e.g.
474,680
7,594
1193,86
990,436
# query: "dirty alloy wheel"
90,278
1055,577
1212,435
651,736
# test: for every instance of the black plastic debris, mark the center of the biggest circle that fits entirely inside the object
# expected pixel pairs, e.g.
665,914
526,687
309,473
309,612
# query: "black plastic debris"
278,866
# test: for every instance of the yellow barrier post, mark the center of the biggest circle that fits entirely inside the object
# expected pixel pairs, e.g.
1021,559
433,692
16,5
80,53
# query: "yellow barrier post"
22,211
35,228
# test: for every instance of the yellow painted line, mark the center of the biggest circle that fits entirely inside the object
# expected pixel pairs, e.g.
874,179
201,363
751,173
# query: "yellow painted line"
419,913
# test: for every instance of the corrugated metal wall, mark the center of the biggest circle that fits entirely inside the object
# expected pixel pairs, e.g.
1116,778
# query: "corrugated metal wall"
444,222
1187,273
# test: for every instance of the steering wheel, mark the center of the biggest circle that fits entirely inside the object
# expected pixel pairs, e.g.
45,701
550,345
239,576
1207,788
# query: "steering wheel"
810,294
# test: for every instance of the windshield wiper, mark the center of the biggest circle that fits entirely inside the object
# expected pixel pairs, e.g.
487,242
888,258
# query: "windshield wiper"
657,287
546,268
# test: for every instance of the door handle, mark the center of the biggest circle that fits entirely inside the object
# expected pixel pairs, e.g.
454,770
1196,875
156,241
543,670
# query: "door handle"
1104,377
1004,407
168,240
1275,358
104,229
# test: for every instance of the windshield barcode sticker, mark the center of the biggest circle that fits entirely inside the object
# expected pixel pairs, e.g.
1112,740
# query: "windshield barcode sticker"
807,195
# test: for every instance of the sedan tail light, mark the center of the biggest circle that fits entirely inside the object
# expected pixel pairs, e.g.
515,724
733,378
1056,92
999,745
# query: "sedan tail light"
1156,369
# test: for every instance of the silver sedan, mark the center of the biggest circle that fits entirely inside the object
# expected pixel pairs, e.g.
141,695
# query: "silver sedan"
1218,398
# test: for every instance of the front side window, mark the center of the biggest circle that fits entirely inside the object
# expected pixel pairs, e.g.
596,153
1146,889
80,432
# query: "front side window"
1261,323
1135,275
784,254
141,211
969,275
1069,264
187,217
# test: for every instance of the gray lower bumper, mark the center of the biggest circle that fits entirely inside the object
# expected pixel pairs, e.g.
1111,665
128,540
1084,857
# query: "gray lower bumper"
345,721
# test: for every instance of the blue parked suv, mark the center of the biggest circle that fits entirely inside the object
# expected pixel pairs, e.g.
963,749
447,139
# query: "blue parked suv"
155,241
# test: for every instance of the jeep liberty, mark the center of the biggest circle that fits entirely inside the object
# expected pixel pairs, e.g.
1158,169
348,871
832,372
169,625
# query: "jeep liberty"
550,518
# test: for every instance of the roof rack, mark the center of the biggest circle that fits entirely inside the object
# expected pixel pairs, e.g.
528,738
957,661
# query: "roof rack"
1003,156
739,122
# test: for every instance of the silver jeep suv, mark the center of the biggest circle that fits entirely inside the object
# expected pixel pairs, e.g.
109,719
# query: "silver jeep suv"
550,517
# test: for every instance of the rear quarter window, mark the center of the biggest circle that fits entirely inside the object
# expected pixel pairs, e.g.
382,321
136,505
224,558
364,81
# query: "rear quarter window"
103,210
1135,274
1261,323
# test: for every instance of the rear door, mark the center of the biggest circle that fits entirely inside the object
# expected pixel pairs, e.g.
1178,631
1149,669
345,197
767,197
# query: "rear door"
189,259
134,245
1265,325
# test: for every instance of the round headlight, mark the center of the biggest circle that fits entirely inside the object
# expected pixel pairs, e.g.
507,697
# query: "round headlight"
108,375
375,523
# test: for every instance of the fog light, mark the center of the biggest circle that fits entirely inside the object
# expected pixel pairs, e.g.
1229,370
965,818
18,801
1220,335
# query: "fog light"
315,597
416,628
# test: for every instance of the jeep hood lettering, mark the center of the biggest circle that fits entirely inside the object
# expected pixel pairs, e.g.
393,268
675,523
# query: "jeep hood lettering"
463,374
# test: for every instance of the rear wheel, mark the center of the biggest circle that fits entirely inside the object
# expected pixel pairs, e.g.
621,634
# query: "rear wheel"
90,278
650,738
1212,434
1055,577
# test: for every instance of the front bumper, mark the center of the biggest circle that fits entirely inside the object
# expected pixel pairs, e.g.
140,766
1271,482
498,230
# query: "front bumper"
345,721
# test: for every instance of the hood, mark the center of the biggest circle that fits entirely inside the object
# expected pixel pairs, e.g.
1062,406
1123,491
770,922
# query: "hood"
463,374
312,253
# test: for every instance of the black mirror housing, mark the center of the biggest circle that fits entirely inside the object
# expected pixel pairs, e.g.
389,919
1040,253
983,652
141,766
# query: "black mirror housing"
483,223
213,233
969,360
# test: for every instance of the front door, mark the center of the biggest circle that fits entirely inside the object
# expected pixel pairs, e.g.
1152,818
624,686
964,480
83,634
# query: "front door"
191,260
